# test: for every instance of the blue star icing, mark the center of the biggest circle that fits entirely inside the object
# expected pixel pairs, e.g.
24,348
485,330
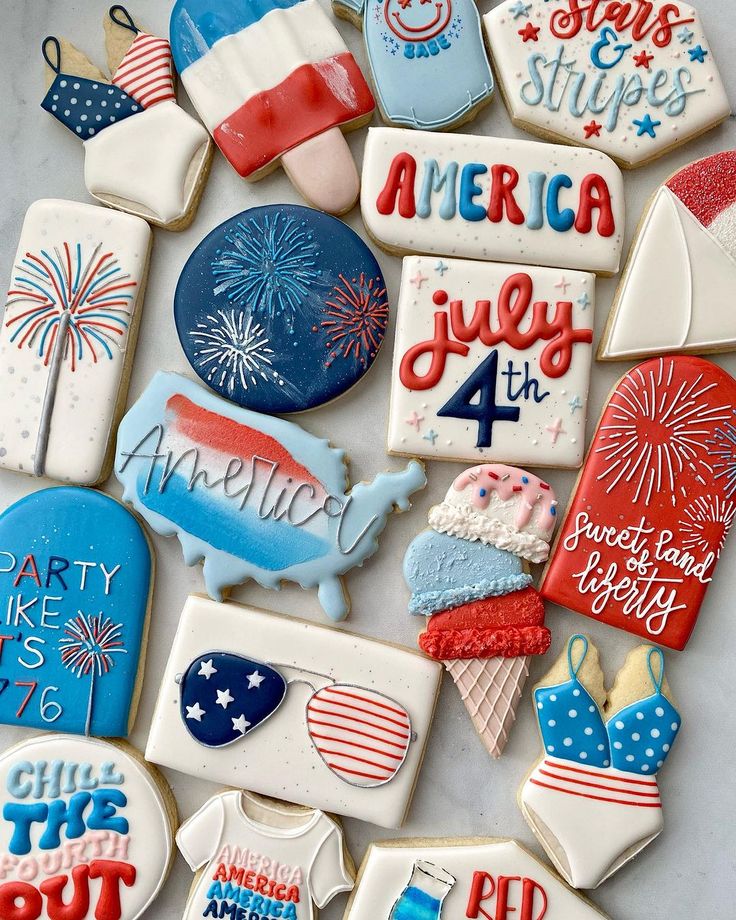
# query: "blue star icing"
698,54
584,300
520,9
685,35
575,403
646,125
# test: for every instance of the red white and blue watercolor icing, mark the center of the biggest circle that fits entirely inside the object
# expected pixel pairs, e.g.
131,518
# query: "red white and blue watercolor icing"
265,75
256,497
85,831
75,573
631,79
143,154
593,799
428,60
281,308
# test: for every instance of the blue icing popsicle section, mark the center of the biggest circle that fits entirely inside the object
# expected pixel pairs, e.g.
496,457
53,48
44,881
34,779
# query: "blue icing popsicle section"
445,571
75,570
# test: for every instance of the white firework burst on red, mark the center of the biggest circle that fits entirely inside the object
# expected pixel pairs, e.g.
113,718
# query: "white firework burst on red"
89,644
655,430
706,522
722,447
356,317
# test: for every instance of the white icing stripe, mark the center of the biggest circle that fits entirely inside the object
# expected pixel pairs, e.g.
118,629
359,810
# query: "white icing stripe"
258,58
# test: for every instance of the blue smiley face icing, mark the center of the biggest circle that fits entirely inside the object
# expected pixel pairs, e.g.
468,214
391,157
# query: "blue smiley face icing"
75,575
428,59
281,308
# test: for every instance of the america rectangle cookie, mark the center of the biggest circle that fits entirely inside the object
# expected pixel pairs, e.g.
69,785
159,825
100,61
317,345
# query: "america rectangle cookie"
294,710
491,362
67,338
492,198
631,79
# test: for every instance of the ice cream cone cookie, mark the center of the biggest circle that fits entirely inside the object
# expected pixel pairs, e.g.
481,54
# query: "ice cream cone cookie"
468,575
592,800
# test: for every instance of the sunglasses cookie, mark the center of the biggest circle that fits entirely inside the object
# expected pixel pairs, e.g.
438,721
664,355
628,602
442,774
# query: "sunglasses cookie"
468,575
592,800
428,60
274,82
249,850
281,308
284,707
654,502
634,80
681,269
76,572
142,153
67,338
87,830
491,362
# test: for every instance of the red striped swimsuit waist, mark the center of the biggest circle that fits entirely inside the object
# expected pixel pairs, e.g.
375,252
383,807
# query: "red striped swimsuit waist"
601,784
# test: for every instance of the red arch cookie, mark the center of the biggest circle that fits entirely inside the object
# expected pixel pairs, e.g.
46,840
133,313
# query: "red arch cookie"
654,502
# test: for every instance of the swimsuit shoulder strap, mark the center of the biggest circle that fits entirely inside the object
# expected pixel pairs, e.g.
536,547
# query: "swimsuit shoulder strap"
658,679
575,668
121,17
51,50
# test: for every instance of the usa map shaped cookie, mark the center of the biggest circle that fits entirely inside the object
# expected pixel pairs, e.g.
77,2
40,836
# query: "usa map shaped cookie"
295,711
491,362
631,79
492,198
675,289
254,496
67,338
653,504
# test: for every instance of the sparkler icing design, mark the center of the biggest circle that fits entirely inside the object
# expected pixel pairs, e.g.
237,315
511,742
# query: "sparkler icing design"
723,447
269,266
232,349
87,649
356,317
79,305
656,430
706,523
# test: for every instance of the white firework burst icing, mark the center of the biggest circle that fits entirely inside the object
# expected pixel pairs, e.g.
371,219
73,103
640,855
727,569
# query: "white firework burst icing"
654,502
281,308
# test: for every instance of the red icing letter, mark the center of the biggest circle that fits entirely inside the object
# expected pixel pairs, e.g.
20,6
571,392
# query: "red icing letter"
438,347
78,907
588,203
11,892
111,873
31,573
477,894
528,888
502,902
400,181
502,193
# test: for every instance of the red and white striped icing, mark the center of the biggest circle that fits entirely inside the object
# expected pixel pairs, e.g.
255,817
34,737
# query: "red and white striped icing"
146,71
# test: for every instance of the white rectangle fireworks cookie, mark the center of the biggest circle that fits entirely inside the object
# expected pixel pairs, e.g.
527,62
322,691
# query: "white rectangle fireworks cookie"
67,338
491,362
294,710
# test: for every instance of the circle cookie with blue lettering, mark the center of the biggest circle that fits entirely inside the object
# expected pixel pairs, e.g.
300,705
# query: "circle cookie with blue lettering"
281,308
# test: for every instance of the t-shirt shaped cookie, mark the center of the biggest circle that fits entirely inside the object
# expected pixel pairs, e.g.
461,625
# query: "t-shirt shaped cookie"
273,80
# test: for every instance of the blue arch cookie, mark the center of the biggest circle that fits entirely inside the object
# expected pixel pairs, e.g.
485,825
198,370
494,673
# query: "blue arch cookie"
281,308
75,581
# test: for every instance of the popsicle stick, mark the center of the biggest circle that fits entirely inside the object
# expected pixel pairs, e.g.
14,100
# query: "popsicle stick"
323,171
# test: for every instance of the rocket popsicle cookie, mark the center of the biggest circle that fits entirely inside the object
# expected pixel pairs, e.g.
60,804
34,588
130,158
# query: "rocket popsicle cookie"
273,80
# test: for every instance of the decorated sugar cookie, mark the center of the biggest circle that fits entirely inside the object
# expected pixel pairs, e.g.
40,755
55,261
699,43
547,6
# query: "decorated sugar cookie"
263,856
681,272
631,79
468,575
252,495
275,83
428,60
67,338
86,830
491,362
142,153
492,198
454,878
654,503
593,800
282,707
281,308
75,580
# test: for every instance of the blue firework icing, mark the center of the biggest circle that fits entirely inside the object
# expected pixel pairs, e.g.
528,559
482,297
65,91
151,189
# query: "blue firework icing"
722,450
281,308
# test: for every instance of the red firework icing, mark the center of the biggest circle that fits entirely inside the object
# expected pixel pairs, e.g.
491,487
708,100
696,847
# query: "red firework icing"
356,318
653,504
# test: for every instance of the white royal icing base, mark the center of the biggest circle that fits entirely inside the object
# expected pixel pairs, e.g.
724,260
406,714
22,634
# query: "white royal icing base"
462,521
83,412
278,759
453,866
149,164
416,429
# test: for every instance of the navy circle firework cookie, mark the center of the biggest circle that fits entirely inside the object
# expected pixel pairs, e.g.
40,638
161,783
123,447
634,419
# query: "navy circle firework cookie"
281,308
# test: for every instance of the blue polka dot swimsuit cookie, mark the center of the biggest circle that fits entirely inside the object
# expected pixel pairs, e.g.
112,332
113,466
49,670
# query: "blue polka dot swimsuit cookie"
281,308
